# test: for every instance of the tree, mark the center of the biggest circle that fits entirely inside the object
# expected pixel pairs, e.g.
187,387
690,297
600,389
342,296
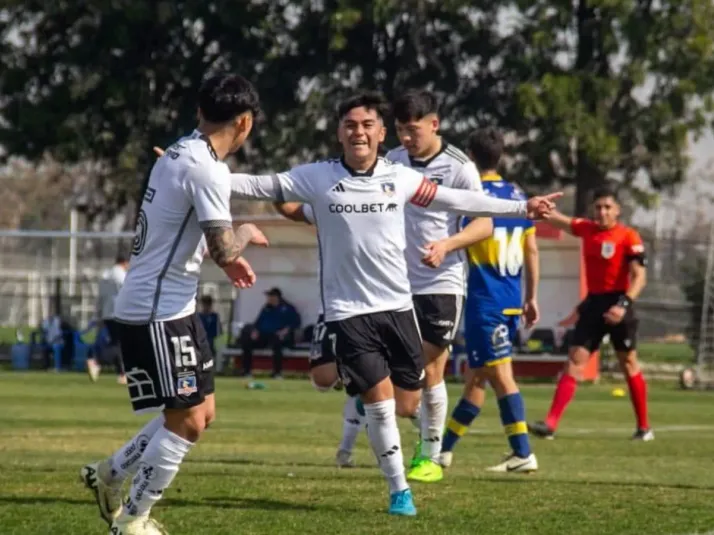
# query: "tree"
104,81
588,91
609,89
390,45
585,90
34,196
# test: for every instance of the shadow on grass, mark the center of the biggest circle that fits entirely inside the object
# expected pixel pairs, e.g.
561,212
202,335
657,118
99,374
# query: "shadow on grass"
585,482
44,500
218,502
249,462
228,502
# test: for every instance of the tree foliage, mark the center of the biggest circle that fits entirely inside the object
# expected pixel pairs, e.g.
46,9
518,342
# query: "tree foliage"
610,88
586,89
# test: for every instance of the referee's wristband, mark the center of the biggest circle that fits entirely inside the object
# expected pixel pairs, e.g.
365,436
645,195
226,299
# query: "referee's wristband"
624,302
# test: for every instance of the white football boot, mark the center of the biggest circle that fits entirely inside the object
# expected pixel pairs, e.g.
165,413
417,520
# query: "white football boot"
513,463
446,458
136,525
97,478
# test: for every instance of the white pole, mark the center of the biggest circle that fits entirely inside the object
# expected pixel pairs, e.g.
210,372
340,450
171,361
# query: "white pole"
73,217
706,304
658,240
32,299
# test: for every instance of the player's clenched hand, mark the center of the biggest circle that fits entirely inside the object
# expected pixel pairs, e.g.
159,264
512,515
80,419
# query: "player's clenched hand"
159,152
434,254
531,314
614,315
240,273
252,234
540,206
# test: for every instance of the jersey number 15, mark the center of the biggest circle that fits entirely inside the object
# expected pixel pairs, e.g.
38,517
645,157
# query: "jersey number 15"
510,250
184,352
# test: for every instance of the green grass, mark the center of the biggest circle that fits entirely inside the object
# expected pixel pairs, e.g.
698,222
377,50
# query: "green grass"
671,353
8,335
266,466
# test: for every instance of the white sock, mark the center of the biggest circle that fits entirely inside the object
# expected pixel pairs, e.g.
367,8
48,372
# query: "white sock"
125,460
351,424
157,469
384,437
415,418
433,420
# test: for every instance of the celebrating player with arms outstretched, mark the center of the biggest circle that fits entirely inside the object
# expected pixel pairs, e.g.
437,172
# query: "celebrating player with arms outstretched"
435,263
493,306
169,364
615,272
358,206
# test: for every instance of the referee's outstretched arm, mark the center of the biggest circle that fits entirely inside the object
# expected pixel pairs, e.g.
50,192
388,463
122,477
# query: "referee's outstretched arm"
561,221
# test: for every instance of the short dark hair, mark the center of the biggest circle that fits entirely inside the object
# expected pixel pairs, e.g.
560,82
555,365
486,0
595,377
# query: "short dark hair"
415,104
371,100
206,300
223,97
604,192
276,292
486,147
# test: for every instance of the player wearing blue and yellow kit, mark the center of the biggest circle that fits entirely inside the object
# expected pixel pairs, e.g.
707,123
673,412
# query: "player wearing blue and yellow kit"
494,304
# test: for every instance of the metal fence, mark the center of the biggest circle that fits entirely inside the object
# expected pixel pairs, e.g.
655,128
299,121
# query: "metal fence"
40,271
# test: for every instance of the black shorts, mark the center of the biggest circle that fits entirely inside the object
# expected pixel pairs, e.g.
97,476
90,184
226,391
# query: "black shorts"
169,364
321,350
439,316
591,326
372,347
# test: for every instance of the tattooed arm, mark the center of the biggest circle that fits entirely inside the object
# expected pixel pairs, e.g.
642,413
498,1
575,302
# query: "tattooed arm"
224,245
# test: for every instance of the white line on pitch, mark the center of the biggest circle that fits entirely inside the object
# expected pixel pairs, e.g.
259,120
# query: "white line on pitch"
615,430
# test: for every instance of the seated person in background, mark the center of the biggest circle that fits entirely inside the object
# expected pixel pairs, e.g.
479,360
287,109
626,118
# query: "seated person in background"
53,341
275,327
211,322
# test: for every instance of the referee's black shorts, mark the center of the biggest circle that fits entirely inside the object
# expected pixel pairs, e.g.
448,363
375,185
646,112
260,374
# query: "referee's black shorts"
591,326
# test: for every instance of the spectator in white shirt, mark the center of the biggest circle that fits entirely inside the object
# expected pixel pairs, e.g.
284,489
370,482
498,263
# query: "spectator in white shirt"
109,286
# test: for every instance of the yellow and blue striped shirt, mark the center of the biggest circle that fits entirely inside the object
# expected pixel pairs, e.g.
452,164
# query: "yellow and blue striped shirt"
496,263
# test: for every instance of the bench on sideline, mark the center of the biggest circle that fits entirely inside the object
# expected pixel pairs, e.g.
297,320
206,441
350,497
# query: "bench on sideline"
296,360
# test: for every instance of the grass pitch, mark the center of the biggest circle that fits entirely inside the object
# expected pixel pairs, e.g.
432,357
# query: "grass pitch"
266,466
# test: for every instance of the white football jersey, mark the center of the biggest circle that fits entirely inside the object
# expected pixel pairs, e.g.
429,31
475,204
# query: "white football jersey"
453,169
109,286
360,226
189,190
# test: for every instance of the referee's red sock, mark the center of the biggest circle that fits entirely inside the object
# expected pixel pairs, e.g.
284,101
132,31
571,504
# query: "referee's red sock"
564,393
638,395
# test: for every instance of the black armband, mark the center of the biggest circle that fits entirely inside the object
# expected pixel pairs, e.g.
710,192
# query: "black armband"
640,258
624,302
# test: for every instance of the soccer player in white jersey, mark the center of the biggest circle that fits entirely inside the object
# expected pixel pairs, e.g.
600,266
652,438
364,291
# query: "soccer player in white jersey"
169,365
358,206
434,260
